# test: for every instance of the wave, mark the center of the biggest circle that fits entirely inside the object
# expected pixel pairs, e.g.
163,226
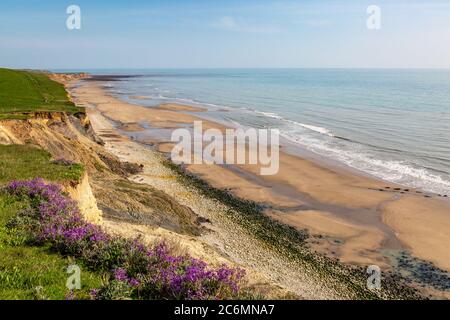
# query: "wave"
360,156
303,125
378,161
268,114
314,128
354,156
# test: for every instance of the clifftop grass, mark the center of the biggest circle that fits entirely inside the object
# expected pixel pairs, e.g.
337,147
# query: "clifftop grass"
26,91
21,162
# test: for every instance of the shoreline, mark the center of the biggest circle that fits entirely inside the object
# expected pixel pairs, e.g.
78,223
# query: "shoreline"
382,169
366,226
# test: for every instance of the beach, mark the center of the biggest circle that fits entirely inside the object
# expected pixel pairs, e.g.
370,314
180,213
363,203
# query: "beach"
356,218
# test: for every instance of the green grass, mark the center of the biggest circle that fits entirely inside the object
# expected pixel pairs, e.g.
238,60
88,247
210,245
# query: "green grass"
27,91
26,271
20,162
30,272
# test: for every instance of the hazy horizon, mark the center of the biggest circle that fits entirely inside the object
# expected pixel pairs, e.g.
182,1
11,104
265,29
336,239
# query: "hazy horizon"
225,34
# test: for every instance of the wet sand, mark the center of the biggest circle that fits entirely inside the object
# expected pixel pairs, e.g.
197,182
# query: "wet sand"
356,215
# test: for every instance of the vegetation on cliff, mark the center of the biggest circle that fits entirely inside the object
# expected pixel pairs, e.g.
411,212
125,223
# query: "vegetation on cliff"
132,270
27,162
33,272
22,92
42,232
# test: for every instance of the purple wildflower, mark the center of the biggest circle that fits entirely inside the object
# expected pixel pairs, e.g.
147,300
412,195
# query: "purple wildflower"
134,282
70,295
153,271
120,274
93,293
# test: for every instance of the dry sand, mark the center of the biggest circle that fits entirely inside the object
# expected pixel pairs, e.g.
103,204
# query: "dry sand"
364,214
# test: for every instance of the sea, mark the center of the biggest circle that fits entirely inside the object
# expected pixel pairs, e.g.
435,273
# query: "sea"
393,124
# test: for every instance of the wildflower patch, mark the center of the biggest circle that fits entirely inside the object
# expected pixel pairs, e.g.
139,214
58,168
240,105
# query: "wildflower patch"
134,270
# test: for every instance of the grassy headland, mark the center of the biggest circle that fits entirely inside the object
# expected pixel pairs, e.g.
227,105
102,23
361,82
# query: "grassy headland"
23,92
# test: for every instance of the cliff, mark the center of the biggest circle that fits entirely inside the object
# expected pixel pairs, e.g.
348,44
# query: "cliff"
104,186
82,193
57,133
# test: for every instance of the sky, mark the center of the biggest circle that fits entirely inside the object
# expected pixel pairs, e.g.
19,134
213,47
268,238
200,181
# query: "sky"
225,34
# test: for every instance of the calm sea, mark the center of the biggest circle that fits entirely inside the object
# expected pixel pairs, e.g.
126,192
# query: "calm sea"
392,124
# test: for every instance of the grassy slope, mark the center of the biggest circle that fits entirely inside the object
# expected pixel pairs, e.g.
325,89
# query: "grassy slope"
22,162
28,272
24,268
24,91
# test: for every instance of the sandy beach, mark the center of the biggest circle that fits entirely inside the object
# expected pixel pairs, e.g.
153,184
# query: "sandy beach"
358,217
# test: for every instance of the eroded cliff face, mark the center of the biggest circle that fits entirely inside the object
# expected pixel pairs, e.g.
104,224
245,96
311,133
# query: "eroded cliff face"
105,189
83,195
64,137
7,137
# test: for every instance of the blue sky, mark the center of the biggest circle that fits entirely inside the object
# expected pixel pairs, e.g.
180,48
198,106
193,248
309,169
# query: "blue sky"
253,33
